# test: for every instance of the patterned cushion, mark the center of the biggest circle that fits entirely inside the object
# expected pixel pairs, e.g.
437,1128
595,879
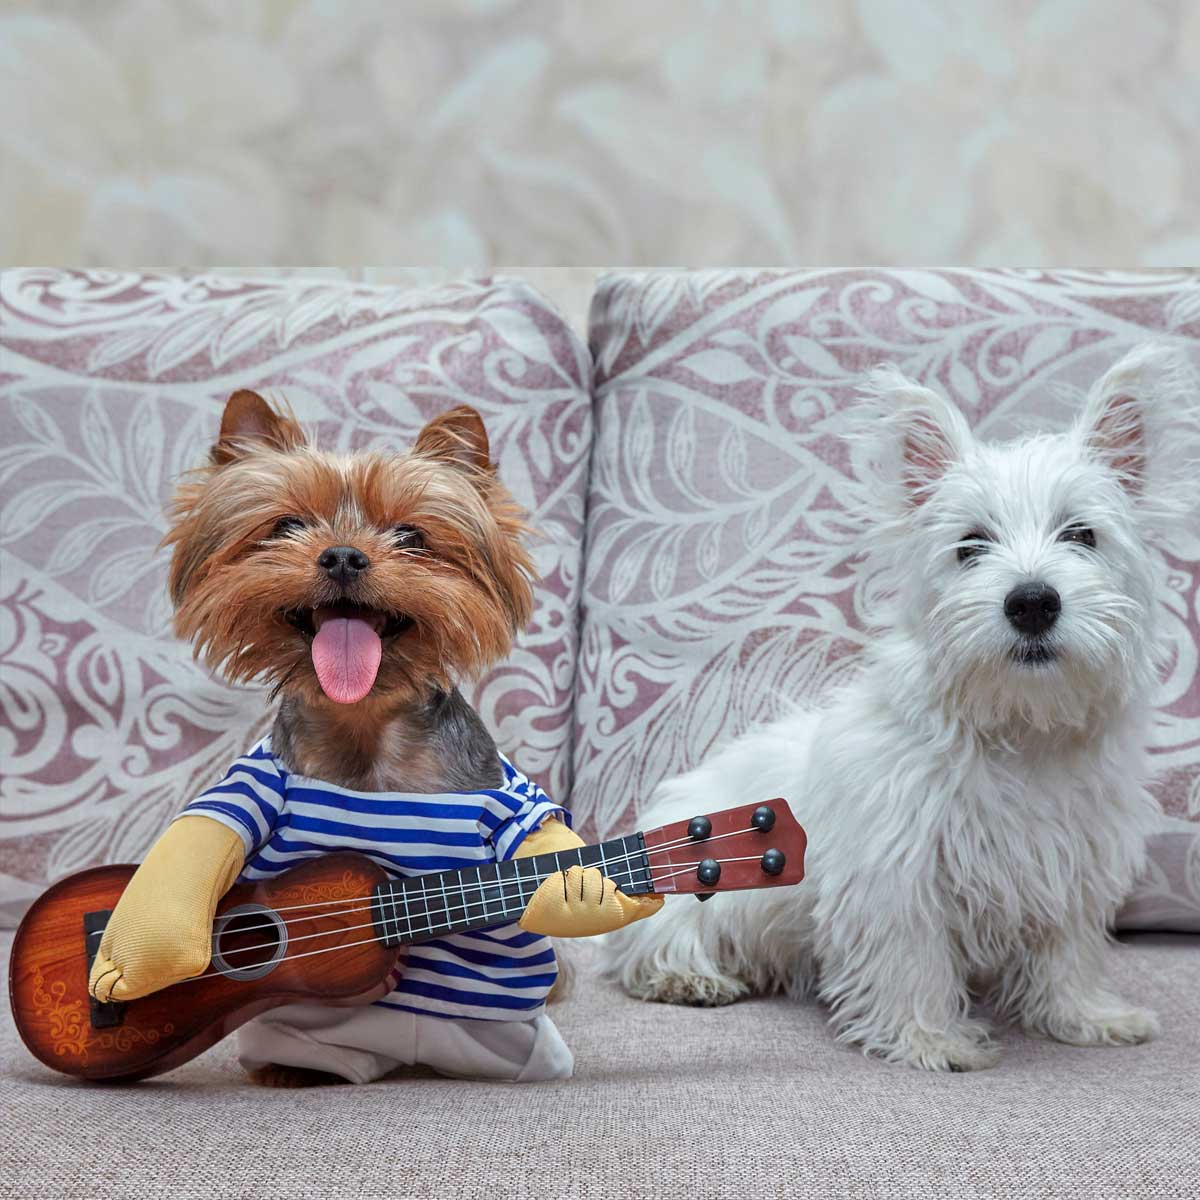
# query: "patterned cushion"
716,584
112,386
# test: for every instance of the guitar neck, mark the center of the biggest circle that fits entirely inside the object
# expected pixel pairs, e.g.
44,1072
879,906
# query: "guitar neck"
417,909
752,846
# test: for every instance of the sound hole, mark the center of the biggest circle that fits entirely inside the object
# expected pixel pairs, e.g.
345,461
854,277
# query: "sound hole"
248,941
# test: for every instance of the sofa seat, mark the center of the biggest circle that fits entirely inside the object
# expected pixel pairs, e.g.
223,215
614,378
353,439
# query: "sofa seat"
751,1101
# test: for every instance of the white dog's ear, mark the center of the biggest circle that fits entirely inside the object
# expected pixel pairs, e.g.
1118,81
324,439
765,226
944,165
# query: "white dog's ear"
917,434
1142,420
1113,423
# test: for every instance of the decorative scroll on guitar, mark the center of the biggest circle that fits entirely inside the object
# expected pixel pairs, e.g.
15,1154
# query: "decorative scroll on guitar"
333,930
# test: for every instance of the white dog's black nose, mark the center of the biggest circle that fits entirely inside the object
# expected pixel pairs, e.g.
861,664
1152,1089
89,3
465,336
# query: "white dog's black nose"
1032,608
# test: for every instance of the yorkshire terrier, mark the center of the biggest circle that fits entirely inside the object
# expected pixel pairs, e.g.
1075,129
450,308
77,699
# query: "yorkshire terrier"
361,587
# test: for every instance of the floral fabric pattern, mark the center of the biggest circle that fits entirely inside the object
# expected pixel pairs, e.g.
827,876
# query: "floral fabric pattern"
719,586
112,386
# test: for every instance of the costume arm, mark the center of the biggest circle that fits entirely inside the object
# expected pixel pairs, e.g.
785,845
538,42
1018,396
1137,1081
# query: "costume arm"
579,901
161,929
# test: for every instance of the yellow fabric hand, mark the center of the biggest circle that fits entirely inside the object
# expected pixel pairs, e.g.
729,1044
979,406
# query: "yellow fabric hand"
161,929
580,902
548,837
577,902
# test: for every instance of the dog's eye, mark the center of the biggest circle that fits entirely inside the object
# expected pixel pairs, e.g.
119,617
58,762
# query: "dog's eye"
408,537
286,525
973,545
1080,535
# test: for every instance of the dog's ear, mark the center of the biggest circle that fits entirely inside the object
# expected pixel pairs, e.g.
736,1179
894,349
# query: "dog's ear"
1134,413
249,425
456,437
927,454
918,434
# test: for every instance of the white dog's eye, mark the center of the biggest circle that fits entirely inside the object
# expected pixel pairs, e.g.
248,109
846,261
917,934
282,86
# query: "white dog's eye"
973,545
1081,535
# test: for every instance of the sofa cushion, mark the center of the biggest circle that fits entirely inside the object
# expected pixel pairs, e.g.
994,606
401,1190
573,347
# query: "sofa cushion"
112,386
716,582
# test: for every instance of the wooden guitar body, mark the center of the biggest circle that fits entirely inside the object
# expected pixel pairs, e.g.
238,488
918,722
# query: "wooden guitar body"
67,1030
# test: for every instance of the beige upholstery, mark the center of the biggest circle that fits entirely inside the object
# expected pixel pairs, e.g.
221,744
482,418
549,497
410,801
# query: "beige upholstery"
747,1102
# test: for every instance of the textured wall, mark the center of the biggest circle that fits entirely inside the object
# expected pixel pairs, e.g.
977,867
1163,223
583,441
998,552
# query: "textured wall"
478,132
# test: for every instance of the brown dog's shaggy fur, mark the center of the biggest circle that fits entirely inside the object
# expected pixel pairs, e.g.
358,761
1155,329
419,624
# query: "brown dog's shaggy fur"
448,585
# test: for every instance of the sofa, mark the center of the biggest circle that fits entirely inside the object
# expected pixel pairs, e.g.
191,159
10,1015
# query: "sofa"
683,472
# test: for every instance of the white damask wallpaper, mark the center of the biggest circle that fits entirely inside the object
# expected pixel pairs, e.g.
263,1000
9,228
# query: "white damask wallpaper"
537,132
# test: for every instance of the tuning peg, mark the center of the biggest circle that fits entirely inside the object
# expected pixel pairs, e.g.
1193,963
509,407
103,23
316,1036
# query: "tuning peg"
699,828
763,818
709,872
773,862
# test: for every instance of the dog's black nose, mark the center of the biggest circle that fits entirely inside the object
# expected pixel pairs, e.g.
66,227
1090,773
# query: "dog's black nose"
343,564
1032,608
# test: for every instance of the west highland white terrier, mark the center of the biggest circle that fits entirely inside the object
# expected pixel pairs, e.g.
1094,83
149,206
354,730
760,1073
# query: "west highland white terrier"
975,798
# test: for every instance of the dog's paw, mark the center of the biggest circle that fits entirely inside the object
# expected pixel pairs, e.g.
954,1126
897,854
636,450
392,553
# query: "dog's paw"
699,991
275,1075
1110,1027
950,1050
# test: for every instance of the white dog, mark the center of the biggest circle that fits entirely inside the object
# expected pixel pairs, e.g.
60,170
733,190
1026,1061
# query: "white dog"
975,799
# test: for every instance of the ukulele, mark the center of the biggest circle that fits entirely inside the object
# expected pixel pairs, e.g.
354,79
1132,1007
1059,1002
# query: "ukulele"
333,930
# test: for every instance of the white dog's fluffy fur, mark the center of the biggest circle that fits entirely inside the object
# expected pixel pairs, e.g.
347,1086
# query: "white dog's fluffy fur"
975,799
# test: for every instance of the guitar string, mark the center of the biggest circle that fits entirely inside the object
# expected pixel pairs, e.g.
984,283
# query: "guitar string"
683,841
368,941
445,890
495,887
290,957
430,913
443,911
481,885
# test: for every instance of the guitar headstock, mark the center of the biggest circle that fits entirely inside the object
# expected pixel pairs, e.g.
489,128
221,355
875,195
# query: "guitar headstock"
754,846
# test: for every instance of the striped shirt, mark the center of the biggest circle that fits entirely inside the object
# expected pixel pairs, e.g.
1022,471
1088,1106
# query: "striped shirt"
498,974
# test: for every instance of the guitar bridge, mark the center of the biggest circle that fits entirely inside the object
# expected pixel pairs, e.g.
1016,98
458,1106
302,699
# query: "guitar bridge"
104,1016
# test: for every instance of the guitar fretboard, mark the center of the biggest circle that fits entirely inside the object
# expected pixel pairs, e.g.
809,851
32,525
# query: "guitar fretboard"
432,906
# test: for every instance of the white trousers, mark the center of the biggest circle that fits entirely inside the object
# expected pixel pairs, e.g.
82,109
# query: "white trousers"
361,1044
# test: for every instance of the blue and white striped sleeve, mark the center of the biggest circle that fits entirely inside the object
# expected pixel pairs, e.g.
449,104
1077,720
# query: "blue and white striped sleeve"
248,800
515,811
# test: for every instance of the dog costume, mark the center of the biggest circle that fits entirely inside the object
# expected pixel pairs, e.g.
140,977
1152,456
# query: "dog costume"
261,819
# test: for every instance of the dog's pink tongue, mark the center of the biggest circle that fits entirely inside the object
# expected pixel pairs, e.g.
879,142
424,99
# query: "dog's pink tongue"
346,654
